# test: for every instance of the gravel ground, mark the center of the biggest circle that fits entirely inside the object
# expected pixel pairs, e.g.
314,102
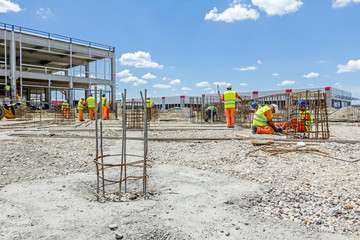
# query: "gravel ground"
308,190
301,187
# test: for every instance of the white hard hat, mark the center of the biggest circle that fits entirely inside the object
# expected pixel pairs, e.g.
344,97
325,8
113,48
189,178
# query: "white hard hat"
64,101
275,107
82,98
229,86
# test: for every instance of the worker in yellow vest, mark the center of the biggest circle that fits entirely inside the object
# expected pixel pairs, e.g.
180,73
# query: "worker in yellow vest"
303,123
90,103
104,106
229,98
149,103
262,121
65,108
7,91
80,107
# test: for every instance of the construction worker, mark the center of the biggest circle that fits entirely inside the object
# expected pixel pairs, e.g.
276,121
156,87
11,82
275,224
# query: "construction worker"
104,107
229,98
210,112
304,121
65,108
149,103
80,107
90,103
7,91
262,121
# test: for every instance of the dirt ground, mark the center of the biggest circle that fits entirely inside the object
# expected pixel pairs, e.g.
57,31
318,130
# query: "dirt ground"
196,189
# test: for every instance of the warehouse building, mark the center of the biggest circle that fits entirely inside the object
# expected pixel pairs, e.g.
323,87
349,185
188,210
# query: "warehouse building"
336,97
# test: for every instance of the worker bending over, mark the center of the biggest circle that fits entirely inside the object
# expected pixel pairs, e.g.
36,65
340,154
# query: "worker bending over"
262,121
80,107
229,98
65,108
303,123
90,103
210,112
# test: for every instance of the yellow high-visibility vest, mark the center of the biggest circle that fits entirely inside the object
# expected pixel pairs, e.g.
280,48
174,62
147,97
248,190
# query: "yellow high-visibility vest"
90,102
229,99
259,117
65,106
80,106
148,103
7,88
308,124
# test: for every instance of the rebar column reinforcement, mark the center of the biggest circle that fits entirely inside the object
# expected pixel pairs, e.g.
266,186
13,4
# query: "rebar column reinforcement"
112,169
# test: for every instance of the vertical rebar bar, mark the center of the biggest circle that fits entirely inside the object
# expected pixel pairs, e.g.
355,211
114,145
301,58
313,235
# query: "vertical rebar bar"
101,146
97,145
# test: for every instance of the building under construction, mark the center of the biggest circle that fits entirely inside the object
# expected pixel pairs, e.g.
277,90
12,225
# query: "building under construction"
45,67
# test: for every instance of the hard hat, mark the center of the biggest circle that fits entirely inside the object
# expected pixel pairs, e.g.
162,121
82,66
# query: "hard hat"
254,104
275,107
90,94
82,98
301,103
229,86
103,95
64,101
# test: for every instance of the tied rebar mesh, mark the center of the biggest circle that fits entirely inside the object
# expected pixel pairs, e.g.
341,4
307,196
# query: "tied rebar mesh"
114,171
315,104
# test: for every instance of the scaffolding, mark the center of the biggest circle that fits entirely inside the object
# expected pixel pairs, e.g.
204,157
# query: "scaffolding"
114,171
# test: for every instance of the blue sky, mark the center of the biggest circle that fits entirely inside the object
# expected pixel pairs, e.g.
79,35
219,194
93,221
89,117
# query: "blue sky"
187,47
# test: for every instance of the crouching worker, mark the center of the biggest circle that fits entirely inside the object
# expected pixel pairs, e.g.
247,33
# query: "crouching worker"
262,122
210,112
303,123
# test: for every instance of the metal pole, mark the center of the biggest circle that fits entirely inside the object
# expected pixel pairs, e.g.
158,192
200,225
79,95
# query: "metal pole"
97,146
5,52
21,90
101,146
123,139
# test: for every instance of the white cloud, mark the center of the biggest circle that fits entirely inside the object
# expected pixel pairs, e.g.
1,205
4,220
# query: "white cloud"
186,89
338,85
80,75
278,7
236,12
149,76
221,83
275,74
286,82
259,62
139,59
161,86
124,73
134,80
44,13
202,84
311,75
351,66
310,85
8,6
246,68
164,78
175,81
213,92
343,3
243,84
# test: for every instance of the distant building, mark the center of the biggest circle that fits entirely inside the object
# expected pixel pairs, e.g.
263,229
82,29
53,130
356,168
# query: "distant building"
336,98
45,67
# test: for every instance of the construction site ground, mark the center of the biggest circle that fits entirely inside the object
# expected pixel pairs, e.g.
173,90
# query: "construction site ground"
197,189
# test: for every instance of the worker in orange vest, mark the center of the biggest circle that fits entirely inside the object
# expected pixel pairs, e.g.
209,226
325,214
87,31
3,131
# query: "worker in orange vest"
229,98
80,107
